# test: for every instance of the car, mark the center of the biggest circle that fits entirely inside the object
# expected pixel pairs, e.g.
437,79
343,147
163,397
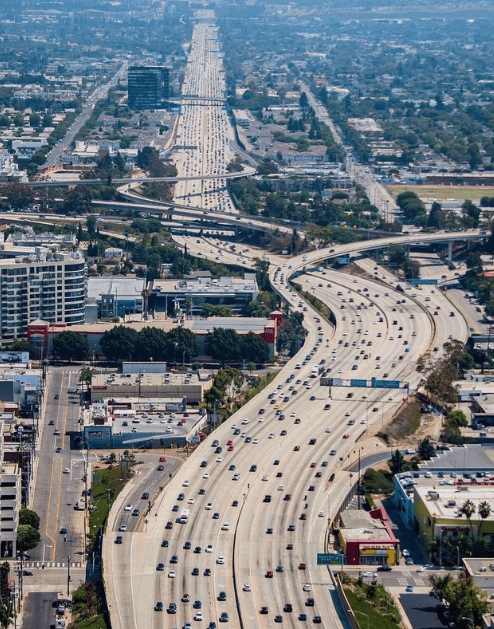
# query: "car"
128,507
312,488
269,531
253,468
409,588
291,527
56,397
198,616
51,422
195,572
160,567
158,607
224,617
216,515
174,558
369,575
207,572
302,566
420,569
302,617
220,560
171,574
118,539
222,596
122,527
310,602
247,588
269,574
345,436
185,598
287,607
264,610
384,568
145,496
405,552
136,512
278,618
409,561
197,604
332,452
160,468
66,470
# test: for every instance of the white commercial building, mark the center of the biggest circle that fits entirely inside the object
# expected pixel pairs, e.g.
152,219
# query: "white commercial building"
10,502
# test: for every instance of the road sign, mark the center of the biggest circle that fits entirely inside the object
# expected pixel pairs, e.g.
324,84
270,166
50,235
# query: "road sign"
423,282
358,383
326,382
343,260
385,384
329,559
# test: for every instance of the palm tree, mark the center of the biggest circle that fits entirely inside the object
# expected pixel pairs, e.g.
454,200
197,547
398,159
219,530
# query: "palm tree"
484,511
468,508
145,296
86,376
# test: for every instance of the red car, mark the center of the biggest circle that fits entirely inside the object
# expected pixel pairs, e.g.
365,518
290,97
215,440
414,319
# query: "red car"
302,566
313,465
229,442
161,468
185,598
269,574
230,449
346,436
162,459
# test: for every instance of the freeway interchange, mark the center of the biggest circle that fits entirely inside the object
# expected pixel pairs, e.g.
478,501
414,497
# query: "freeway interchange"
285,445
232,538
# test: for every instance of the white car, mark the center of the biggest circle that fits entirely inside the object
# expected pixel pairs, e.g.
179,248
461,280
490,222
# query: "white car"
205,475
209,506
420,569
265,477
255,441
198,616
186,483
245,421
363,421
128,507
171,574
219,459
66,470
293,414
225,526
271,435
280,488
236,477
247,587
122,527
369,575
220,560
191,501
321,514
306,587
328,429
208,549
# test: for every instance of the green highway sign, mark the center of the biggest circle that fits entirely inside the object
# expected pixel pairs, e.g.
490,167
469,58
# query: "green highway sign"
358,383
385,384
330,559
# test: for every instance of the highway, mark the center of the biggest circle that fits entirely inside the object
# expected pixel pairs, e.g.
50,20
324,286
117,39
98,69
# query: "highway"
204,133
284,466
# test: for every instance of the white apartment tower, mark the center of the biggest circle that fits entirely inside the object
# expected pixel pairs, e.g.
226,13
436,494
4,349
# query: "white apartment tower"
43,285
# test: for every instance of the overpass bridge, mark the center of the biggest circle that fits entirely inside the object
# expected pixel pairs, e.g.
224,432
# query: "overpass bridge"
248,171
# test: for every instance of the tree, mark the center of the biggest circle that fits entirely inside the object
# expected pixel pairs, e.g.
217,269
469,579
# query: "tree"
180,341
468,509
484,511
467,602
397,255
70,346
263,305
223,344
86,376
27,537
254,348
303,100
151,343
425,449
19,195
91,226
396,462
26,516
119,343
457,419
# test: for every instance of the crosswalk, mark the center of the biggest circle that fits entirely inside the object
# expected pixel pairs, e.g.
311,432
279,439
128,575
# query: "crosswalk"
50,564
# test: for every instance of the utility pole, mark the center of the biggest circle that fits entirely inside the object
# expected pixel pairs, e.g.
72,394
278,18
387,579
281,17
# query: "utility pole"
68,576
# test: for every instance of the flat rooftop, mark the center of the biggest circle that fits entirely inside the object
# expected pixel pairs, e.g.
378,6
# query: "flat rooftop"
359,525
207,285
444,501
470,457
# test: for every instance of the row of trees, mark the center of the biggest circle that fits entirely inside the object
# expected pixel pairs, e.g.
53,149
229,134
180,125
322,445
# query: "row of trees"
123,343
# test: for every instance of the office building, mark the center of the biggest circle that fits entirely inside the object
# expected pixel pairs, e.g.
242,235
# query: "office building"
115,296
189,296
148,87
42,286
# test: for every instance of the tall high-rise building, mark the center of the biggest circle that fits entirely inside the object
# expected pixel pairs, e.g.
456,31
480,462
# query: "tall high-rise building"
148,86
